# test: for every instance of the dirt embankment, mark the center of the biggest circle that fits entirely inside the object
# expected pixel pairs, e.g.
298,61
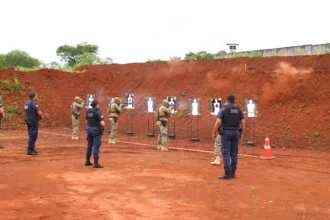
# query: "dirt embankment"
292,93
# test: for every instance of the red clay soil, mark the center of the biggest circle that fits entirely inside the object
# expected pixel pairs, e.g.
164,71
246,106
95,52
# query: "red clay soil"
140,182
292,93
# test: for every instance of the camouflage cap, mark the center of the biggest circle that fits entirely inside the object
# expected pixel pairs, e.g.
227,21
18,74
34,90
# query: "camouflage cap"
165,101
117,99
77,98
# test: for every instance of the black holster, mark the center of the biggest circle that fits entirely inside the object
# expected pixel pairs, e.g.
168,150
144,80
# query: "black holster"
76,116
102,130
163,122
115,119
220,130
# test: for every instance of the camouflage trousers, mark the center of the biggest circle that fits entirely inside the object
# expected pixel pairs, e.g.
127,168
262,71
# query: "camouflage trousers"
162,134
114,127
217,146
75,126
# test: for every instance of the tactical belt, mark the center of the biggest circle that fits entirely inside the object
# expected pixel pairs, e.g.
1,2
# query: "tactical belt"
230,128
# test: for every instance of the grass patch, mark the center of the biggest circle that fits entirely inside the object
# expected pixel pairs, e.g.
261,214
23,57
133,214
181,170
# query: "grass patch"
17,84
6,84
11,111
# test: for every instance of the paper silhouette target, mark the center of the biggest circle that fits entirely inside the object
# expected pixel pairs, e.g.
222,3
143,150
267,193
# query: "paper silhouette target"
216,105
195,106
111,100
251,110
172,101
129,99
89,99
150,104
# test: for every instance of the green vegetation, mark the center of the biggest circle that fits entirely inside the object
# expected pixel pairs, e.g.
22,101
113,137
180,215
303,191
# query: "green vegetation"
17,83
11,110
80,55
6,84
251,54
157,60
201,55
18,58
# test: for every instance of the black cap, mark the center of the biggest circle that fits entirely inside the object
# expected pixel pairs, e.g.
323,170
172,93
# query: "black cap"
231,98
94,103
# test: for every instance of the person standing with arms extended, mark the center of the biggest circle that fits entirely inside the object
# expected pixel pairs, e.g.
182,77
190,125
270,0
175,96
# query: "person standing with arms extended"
163,114
113,111
76,107
33,115
217,147
95,130
229,122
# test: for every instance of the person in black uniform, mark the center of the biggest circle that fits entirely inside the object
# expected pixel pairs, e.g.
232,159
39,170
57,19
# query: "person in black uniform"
229,122
32,116
95,129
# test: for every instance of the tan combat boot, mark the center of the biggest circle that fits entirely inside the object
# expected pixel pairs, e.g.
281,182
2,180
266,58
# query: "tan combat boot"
163,148
159,146
75,138
111,141
217,161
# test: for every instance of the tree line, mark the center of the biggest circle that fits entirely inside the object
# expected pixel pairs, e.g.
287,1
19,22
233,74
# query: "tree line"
80,55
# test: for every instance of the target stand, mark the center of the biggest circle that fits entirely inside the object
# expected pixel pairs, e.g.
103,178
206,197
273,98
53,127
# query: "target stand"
171,129
151,126
250,126
128,124
194,123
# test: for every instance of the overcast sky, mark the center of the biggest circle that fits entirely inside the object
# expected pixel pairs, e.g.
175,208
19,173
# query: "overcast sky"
138,30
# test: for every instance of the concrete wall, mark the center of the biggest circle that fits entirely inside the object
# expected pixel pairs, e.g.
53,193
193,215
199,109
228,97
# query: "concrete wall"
286,51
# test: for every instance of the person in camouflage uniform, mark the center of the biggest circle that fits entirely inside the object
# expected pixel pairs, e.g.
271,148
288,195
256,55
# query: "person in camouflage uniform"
76,107
113,111
217,147
163,113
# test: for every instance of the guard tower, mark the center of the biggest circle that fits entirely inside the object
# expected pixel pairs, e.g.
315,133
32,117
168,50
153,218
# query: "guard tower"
232,47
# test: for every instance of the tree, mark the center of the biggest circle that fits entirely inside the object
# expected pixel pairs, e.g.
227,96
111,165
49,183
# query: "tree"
21,58
107,60
71,55
220,54
90,59
53,65
201,55
3,62
175,58
190,56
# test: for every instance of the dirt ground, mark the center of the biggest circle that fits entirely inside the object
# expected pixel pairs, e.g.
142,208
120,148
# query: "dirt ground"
140,182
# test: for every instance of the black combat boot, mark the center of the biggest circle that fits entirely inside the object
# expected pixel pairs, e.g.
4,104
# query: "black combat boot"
31,152
226,176
1,147
88,162
232,174
35,151
96,163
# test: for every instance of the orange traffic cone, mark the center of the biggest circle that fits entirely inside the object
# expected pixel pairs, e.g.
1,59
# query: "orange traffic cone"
267,151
